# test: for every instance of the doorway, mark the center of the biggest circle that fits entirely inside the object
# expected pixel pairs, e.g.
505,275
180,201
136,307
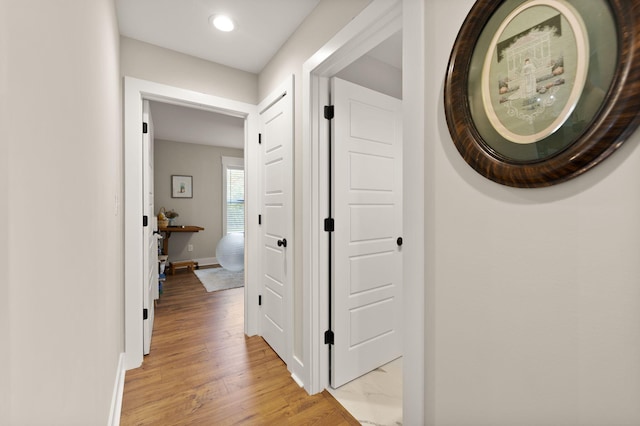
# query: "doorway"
379,20
366,206
208,149
135,92
366,249
386,20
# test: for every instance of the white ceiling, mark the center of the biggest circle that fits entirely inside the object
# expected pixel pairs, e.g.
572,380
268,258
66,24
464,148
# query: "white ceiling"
182,124
263,26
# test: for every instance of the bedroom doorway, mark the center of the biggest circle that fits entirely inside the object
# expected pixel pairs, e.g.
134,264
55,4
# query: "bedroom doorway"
135,92
207,149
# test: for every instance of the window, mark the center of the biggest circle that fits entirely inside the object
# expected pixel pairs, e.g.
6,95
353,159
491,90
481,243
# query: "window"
233,194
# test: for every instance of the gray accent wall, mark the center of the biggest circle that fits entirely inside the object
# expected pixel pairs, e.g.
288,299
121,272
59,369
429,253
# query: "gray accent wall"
204,163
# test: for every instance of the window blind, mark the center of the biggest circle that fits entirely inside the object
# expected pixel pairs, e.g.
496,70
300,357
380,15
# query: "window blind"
235,200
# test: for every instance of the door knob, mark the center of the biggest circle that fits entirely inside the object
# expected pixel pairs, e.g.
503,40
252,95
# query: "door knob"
282,242
399,241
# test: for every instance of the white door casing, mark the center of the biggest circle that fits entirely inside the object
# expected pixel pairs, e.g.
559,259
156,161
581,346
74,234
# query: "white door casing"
378,21
276,224
150,235
367,209
135,92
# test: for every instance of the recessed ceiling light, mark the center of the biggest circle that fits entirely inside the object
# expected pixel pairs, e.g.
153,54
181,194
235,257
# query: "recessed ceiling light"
222,22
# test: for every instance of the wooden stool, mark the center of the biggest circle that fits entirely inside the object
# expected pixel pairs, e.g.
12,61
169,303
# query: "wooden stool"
189,264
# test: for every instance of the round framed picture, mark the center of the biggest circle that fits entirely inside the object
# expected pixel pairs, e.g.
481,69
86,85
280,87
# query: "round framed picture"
540,91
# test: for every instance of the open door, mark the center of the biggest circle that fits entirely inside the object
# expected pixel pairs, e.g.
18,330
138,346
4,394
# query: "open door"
150,230
366,279
276,224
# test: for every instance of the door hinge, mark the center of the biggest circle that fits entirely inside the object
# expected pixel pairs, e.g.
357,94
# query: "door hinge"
328,224
328,112
145,220
145,314
260,300
328,337
259,219
259,138
145,128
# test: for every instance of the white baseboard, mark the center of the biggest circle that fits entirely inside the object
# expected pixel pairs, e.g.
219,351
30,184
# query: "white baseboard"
118,391
297,370
297,380
207,261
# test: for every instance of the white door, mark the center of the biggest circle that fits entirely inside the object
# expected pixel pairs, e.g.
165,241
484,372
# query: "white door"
150,246
366,287
276,224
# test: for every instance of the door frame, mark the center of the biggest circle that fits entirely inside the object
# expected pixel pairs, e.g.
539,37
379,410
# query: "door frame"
135,90
374,24
152,228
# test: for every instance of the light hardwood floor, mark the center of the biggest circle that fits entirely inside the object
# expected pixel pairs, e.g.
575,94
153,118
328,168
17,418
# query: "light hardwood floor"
203,370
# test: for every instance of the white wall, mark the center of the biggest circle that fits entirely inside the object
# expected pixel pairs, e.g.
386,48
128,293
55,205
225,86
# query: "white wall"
5,366
149,62
204,164
329,17
64,230
533,295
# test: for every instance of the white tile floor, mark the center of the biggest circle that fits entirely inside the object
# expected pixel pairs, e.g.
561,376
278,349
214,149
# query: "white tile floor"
375,398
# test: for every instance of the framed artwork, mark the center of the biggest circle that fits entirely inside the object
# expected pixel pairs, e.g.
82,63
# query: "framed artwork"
539,91
181,186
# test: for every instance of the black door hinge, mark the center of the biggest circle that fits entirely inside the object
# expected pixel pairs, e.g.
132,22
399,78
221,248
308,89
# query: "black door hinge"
328,337
145,220
145,314
329,224
259,138
260,300
145,128
328,112
259,219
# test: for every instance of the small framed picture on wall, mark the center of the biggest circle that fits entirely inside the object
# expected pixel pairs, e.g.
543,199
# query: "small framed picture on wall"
181,186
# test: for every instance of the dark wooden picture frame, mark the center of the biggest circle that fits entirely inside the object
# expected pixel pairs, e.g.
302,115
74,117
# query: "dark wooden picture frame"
592,128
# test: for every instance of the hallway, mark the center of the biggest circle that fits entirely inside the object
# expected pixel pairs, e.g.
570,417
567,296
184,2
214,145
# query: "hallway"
203,370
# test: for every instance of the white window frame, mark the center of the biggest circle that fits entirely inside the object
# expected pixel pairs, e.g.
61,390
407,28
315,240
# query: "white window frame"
229,163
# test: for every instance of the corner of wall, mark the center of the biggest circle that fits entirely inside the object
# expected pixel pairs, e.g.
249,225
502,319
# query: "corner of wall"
118,392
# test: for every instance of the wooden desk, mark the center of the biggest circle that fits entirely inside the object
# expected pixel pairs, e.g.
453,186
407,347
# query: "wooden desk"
168,230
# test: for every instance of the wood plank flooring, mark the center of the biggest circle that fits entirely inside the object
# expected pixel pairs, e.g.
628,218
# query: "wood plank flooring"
203,370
